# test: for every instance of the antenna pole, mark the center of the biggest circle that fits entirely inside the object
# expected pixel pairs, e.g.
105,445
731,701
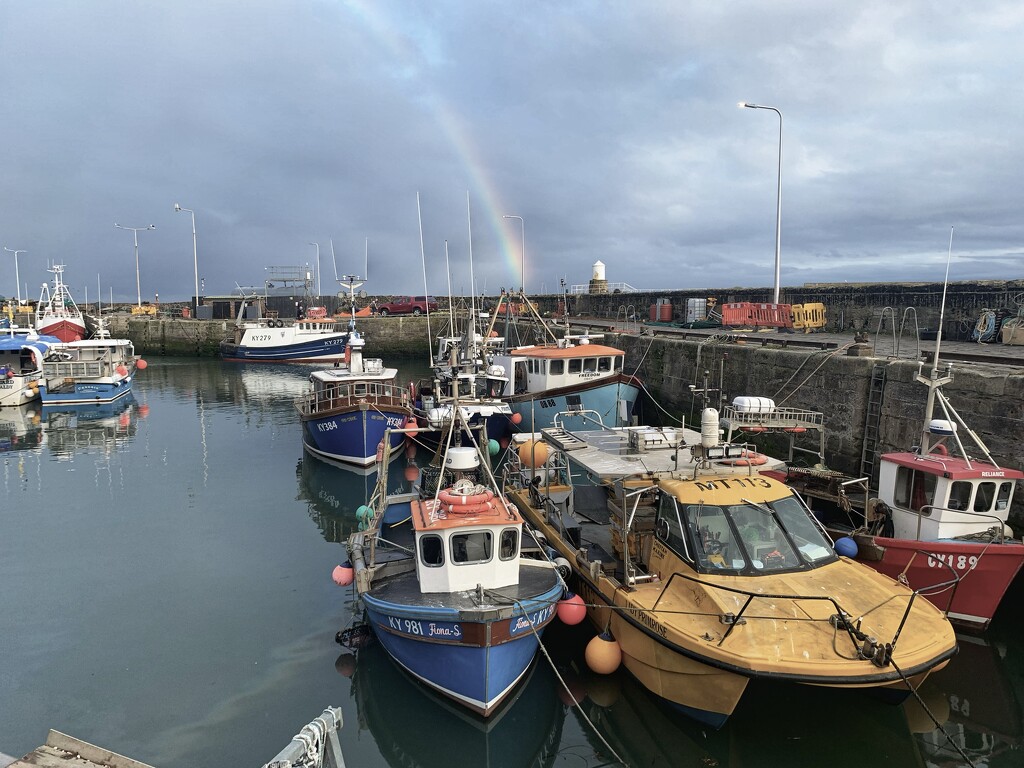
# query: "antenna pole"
423,262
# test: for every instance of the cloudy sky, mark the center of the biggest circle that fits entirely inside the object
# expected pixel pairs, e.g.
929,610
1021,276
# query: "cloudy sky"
611,128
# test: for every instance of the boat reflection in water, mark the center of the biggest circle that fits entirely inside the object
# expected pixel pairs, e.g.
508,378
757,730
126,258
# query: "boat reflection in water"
774,726
411,725
334,491
21,428
104,426
976,702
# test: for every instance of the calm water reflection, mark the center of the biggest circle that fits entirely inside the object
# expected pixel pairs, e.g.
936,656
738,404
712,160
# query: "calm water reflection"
166,593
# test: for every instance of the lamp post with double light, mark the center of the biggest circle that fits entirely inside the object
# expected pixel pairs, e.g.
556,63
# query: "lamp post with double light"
522,226
195,251
778,204
135,233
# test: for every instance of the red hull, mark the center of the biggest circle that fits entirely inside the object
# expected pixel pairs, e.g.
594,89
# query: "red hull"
65,330
985,570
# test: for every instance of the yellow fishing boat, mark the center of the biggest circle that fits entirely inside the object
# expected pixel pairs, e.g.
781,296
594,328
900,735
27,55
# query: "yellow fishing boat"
709,575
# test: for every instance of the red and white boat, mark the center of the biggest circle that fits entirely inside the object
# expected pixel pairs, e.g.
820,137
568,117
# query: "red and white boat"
939,521
57,314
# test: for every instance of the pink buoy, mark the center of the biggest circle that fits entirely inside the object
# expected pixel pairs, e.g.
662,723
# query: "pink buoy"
603,654
141,364
517,418
571,609
343,575
121,370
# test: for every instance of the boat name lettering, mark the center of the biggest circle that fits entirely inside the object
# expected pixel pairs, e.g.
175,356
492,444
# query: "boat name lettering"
327,426
431,629
395,421
733,482
526,623
333,342
547,403
959,562
645,618
589,375
6,385
261,337
993,474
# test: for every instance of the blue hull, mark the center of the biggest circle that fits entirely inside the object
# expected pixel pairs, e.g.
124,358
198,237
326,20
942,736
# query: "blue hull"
435,645
316,351
85,393
538,411
352,437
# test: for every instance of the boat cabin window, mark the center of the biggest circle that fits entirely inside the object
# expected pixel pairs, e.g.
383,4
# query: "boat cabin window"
749,537
431,550
914,489
557,367
1003,496
575,365
604,364
360,390
590,365
474,547
617,363
508,544
959,495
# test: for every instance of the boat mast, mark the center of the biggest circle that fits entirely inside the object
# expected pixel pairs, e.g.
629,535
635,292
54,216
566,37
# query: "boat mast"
934,381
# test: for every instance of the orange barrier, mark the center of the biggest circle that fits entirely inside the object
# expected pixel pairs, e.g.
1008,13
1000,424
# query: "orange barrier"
745,313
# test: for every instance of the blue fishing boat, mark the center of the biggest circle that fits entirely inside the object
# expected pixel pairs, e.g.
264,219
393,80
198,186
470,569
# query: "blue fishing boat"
97,370
353,409
458,607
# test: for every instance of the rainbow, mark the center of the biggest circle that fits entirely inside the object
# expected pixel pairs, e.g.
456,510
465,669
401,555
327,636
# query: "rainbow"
453,128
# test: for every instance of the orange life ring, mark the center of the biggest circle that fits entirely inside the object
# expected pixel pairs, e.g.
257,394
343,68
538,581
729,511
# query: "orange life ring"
754,429
794,429
448,496
748,460
469,509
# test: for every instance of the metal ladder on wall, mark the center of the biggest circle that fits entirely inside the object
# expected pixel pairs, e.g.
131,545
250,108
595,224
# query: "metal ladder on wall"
872,417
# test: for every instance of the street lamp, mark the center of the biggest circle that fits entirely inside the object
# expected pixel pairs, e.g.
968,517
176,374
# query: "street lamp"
522,225
195,251
778,207
317,268
135,232
16,275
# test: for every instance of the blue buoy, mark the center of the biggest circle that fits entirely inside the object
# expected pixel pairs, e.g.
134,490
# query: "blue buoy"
846,546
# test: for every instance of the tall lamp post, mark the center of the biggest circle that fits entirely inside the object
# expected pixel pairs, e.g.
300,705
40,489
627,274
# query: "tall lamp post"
317,269
778,206
195,251
522,226
16,275
135,232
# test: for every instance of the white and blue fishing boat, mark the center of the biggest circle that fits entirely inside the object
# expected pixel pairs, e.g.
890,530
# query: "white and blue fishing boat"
352,408
98,370
266,338
458,607
21,365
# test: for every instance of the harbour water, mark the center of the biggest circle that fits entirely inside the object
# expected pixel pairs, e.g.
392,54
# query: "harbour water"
166,594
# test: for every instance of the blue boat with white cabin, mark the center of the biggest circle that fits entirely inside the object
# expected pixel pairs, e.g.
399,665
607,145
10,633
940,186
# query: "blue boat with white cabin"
459,607
21,364
98,370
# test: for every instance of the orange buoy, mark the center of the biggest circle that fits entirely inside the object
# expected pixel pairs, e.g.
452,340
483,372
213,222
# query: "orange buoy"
533,453
603,654
516,418
411,473
141,364
121,370
343,574
796,430
571,609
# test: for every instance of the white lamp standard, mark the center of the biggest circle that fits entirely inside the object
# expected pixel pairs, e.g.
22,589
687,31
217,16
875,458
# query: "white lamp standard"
16,275
317,268
195,251
778,206
135,232
522,226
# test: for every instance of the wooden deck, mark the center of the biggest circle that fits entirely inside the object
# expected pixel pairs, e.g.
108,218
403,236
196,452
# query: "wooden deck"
63,751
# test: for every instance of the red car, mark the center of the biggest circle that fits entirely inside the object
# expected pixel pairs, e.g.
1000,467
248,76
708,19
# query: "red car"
408,305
